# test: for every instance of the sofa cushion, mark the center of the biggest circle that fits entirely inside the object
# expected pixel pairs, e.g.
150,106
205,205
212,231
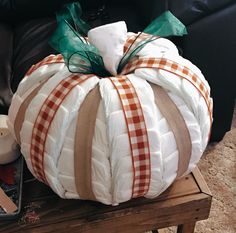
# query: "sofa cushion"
127,13
30,46
6,51
15,10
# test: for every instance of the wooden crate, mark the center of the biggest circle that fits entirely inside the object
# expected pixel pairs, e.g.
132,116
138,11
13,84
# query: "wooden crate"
188,200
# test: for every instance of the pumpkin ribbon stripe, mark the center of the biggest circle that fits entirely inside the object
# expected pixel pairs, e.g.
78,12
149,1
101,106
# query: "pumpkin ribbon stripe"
85,127
47,60
20,116
44,119
177,125
175,68
137,131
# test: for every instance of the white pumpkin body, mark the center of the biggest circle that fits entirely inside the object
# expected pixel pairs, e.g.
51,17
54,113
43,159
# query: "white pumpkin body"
111,160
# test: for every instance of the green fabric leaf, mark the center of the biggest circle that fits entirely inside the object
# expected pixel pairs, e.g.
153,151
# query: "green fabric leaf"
79,56
72,14
166,25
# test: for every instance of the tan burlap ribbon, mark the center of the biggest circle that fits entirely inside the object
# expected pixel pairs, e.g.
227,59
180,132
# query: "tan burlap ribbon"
20,116
178,126
83,144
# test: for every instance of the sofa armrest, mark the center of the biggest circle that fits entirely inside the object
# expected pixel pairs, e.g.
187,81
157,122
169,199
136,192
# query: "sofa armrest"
210,44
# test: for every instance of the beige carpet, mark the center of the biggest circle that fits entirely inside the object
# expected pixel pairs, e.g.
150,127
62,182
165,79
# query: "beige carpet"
218,166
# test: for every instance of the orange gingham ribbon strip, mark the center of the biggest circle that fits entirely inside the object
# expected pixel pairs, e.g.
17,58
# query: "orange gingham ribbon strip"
44,119
138,137
47,60
175,68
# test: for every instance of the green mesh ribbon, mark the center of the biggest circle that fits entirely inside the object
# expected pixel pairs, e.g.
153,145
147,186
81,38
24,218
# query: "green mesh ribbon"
82,57
133,50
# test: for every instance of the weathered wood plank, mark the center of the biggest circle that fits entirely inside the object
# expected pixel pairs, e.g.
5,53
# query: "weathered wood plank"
200,181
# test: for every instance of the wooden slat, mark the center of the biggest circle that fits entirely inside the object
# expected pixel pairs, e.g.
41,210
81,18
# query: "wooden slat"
200,181
181,187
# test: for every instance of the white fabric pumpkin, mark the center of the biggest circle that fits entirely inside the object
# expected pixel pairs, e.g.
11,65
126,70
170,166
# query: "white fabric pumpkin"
111,159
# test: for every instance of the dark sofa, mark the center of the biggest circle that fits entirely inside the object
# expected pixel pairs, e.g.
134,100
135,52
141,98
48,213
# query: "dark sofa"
25,27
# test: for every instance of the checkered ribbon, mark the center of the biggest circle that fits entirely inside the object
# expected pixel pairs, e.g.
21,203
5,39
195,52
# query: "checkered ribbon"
45,118
138,137
175,68
47,60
